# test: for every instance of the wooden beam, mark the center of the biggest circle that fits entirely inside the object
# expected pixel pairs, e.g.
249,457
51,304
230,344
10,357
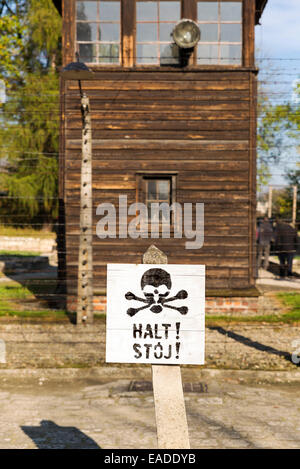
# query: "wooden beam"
128,33
252,178
85,258
68,33
248,33
171,421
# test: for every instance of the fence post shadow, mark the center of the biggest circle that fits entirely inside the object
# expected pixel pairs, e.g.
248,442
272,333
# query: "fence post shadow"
253,343
49,435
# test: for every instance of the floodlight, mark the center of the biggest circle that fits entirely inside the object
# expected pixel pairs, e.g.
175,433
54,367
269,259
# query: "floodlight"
186,34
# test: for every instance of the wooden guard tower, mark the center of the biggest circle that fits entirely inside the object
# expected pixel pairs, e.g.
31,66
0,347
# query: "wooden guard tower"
165,131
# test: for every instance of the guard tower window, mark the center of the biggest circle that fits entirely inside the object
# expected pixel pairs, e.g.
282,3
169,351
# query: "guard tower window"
157,189
220,23
139,32
155,21
98,25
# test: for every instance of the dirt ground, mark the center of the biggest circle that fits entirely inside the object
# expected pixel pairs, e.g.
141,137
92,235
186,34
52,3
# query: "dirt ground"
105,413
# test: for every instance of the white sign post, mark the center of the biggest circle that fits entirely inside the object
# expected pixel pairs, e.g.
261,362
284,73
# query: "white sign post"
155,315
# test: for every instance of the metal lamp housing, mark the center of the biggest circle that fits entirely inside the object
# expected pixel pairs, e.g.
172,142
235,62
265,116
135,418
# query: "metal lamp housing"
186,34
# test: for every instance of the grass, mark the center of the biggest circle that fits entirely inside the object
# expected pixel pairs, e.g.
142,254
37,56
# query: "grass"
20,253
8,311
25,232
291,301
290,313
16,301
13,299
288,318
12,294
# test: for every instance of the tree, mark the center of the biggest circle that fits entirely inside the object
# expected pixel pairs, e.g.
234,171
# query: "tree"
44,40
32,147
278,128
282,201
11,48
293,178
30,118
278,124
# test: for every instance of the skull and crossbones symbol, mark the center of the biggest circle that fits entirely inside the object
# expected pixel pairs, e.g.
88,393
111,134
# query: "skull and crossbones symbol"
156,285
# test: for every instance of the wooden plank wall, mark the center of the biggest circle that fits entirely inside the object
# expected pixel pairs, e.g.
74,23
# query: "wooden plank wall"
196,124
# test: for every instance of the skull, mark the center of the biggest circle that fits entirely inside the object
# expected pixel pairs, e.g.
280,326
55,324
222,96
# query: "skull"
156,285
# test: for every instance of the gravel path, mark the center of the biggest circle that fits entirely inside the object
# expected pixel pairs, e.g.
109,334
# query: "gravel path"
77,414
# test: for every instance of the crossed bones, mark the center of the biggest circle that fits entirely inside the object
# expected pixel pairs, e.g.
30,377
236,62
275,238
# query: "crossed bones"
156,278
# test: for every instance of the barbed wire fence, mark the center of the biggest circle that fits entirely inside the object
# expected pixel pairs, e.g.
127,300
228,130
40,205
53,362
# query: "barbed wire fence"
9,158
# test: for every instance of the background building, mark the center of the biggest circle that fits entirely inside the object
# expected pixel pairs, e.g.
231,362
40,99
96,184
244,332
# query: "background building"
163,131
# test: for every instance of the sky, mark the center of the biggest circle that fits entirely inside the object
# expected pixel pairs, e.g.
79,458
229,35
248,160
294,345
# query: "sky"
278,45
279,33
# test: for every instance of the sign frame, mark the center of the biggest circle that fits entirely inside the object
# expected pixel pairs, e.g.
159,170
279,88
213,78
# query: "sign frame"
170,331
